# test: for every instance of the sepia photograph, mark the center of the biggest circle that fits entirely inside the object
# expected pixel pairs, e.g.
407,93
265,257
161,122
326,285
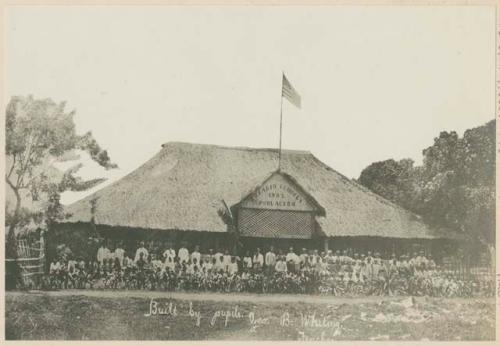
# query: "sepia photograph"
308,173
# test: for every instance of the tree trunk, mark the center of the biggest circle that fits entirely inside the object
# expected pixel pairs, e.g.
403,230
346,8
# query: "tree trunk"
11,246
12,269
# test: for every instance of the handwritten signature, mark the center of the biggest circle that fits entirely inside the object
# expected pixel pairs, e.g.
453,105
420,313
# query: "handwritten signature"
325,326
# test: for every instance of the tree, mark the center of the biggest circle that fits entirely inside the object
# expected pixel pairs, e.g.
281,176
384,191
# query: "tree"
455,186
38,132
459,182
393,180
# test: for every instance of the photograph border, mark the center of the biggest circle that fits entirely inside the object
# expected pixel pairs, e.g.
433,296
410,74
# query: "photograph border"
489,3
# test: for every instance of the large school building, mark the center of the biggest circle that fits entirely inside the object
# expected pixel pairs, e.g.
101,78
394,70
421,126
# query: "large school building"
235,198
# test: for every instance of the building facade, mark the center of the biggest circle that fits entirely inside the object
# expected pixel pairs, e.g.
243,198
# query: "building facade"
235,198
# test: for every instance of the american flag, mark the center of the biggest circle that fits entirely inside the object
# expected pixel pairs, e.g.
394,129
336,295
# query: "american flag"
290,93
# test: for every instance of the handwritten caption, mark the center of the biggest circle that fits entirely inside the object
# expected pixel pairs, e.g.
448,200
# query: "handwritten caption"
308,326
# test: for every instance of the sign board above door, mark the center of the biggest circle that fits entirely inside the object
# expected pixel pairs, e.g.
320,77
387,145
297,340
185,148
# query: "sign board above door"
278,193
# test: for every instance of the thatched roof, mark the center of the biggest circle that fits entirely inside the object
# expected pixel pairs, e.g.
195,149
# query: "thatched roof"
182,186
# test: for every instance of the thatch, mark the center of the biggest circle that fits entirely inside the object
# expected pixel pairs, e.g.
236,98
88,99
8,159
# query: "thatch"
181,188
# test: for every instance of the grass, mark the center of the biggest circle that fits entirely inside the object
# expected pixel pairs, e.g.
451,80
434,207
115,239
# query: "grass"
39,316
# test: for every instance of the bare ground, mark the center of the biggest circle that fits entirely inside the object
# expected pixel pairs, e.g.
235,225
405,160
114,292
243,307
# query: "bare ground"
113,315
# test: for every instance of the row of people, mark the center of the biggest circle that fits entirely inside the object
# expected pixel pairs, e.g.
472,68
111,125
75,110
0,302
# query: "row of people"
309,279
352,272
258,259
322,262
362,266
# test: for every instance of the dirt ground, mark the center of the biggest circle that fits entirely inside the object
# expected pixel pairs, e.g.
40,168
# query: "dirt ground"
140,315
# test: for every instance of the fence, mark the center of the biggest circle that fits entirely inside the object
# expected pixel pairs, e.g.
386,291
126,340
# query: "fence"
30,262
465,269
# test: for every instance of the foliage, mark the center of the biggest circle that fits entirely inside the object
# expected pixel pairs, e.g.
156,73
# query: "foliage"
455,186
73,183
39,132
393,180
99,155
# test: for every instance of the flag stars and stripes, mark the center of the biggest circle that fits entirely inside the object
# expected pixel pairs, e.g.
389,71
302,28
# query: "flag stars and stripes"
289,92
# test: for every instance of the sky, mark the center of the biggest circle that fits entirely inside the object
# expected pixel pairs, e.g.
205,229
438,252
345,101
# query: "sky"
376,82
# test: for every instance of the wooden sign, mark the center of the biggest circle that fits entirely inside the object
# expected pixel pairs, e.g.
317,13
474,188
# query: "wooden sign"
278,193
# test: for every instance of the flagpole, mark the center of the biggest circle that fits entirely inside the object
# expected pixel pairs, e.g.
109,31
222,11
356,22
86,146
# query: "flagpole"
281,122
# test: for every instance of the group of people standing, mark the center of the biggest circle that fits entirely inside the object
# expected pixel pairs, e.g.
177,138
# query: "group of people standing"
359,265
290,271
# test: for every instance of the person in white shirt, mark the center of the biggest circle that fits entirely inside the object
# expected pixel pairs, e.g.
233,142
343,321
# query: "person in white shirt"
376,266
315,257
127,261
324,267
207,265
329,257
141,250
196,254
258,260
183,254
71,271
120,253
102,253
270,259
219,263
163,267
111,254
413,260
71,264
431,265
336,257
189,267
217,255
318,267
303,256
233,267
170,263
280,265
169,253
209,255
421,260
197,271
346,260
81,264
247,261
292,259
155,262
226,260
196,265
213,265
55,266
54,272
369,257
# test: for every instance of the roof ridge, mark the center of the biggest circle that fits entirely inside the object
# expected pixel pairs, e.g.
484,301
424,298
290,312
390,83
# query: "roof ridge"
226,147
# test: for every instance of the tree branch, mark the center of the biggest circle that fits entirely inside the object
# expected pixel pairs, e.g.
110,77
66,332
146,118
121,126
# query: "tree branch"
13,165
10,183
23,169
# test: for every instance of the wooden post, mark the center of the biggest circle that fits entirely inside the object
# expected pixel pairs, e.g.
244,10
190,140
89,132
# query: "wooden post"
326,244
234,245
216,243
